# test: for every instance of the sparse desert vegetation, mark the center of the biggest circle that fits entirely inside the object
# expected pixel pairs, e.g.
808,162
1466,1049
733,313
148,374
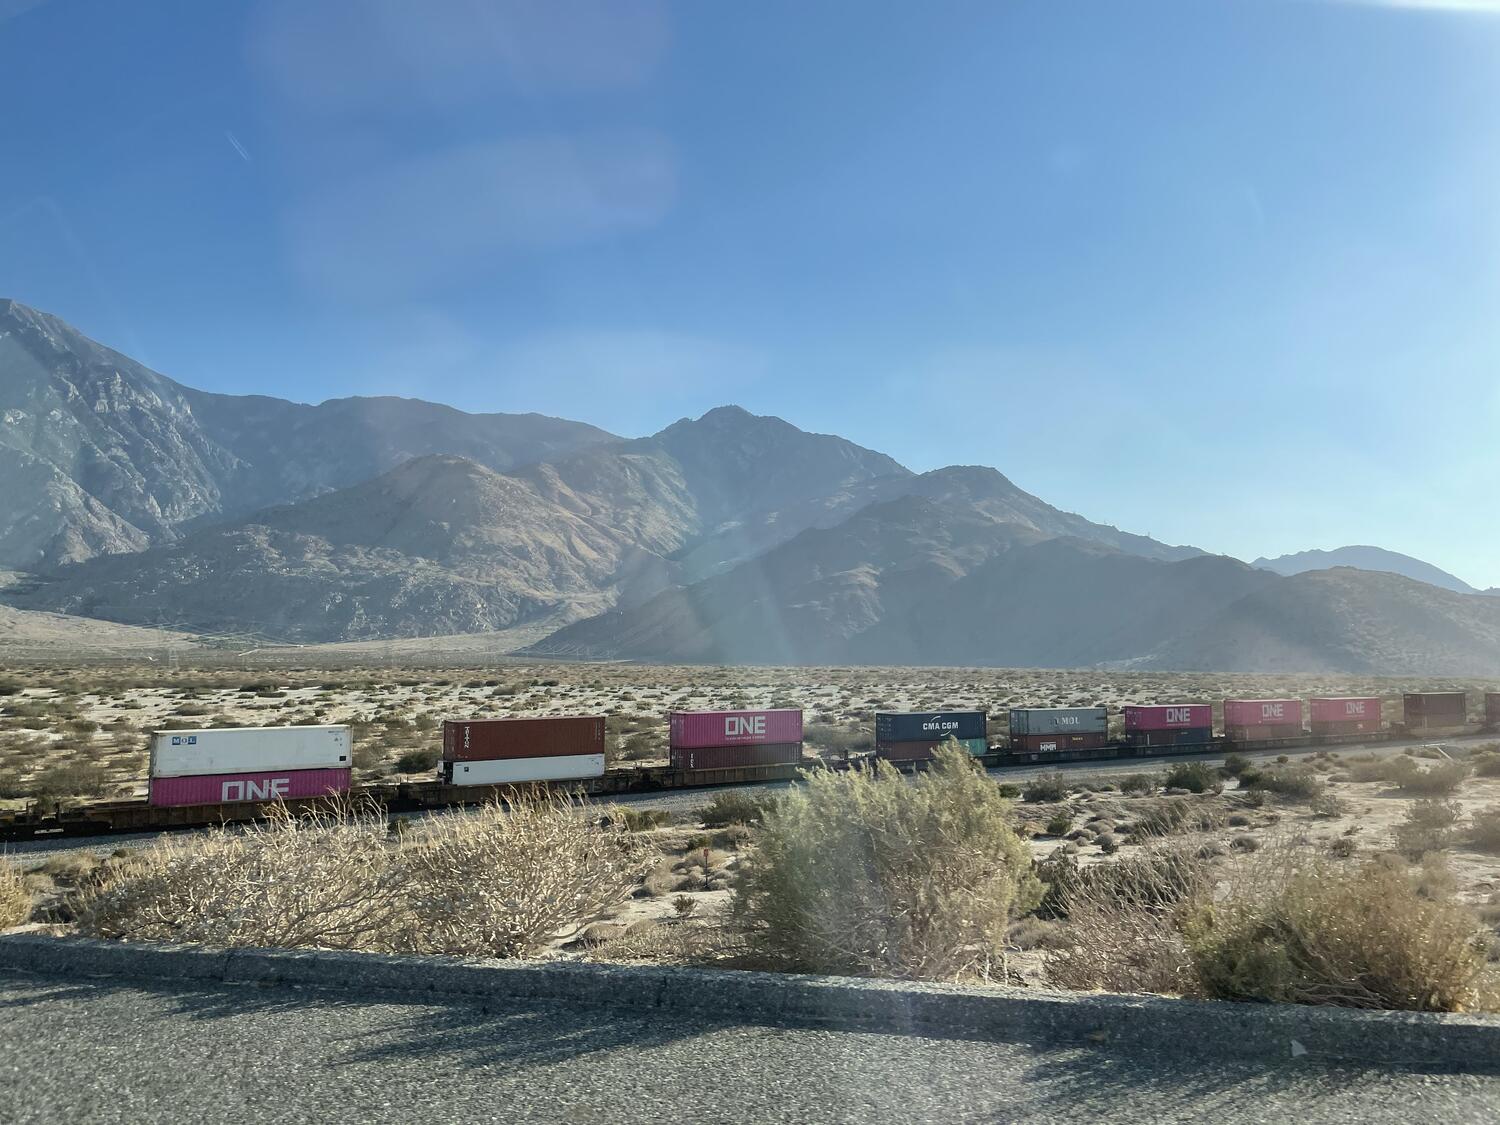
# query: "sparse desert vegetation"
1082,879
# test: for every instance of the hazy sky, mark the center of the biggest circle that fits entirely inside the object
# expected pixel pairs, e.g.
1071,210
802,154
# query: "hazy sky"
1227,273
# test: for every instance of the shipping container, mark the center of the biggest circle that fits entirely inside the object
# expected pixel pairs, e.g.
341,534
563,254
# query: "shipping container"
1241,713
1492,708
548,736
1263,732
698,730
232,788
922,751
1052,743
1176,736
1169,717
732,757
184,753
518,771
1344,714
1058,720
1435,710
927,726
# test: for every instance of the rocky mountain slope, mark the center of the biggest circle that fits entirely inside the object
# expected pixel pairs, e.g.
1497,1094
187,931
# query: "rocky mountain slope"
103,455
914,582
1366,558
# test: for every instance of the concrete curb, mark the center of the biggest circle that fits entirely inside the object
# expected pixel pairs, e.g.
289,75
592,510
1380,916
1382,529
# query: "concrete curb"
1192,1028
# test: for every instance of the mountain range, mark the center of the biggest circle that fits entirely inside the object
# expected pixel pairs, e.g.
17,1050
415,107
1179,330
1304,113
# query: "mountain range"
728,538
1366,558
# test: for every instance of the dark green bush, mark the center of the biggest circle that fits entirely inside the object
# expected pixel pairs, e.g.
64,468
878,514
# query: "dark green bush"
1048,787
736,807
1195,777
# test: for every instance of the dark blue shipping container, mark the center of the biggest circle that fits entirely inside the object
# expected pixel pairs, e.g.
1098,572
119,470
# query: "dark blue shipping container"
928,726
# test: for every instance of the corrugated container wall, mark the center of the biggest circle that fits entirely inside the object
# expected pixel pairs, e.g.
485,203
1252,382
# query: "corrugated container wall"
1169,716
698,730
551,736
927,726
182,753
1262,712
1343,709
1058,720
922,751
1492,708
232,788
733,757
1435,710
518,771
1175,736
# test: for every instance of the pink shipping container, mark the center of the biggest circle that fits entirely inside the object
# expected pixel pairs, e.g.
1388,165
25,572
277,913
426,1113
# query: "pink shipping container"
699,730
1344,709
735,757
1262,712
232,788
1169,716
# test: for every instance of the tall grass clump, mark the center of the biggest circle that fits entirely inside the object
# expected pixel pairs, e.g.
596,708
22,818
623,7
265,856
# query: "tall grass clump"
864,873
1301,930
15,896
499,881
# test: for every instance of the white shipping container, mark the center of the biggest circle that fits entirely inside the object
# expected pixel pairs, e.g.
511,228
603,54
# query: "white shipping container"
185,753
514,771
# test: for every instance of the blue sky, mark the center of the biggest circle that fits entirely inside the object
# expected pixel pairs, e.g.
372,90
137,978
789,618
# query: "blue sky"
1226,273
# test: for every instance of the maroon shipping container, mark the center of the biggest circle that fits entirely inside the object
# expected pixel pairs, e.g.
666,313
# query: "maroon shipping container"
1177,736
1435,710
1046,743
1492,708
1262,713
1344,714
733,757
697,730
1263,732
479,740
1170,716
923,751
232,788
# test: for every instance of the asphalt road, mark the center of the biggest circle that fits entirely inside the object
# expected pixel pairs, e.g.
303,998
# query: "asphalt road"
108,1051
685,801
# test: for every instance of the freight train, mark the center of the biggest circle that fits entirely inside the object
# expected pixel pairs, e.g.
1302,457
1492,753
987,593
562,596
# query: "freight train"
221,775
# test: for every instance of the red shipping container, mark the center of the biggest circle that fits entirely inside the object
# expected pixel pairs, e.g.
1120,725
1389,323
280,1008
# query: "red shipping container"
697,730
555,736
1262,712
733,757
1169,716
1344,709
233,788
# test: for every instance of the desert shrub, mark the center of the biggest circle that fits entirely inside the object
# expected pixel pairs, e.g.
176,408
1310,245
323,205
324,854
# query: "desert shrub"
1047,787
15,897
736,807
1485,828
1195,777
1343,847
1308,932
1290,784
1124,924
1137,784
1173,816
1059,824
1326,805
71,779
644,820
1439,780
418,761
1008,791
10,687
498,881
1487,765
1234,765
1368,771
312,880
864,873
1429,826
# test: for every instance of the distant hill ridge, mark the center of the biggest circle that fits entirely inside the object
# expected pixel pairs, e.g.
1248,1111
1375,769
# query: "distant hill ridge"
1366,558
